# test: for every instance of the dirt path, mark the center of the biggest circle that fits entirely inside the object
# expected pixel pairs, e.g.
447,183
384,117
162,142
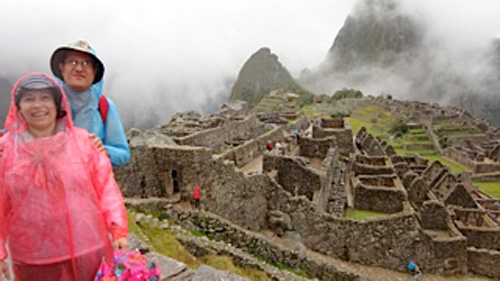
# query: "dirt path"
254,166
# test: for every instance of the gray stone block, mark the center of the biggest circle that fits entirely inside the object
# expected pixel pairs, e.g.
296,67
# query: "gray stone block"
207,273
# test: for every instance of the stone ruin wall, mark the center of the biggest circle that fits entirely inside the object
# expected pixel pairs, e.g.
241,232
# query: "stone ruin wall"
484,262
340,129
457,141
333,123
481,231
379,197
155,164
375,185
368,144
389,242
434,215
293,175
315,148
300,123
256,244
443,256
216,138
242,199
331,185
243,154
247,200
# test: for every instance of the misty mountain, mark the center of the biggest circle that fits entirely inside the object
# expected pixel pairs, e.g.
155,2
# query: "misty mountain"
382,48
484,100
377,33
261,74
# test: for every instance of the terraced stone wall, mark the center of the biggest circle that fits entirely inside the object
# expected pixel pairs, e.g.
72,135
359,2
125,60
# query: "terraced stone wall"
340,129
293,175
243,154
377,195
484,262
217,138
315,148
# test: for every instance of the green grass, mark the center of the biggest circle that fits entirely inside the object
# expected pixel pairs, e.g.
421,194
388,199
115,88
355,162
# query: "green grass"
417,141
357,123
309,111
164,242
417,132
132,226
466,136
362,214
455,167
422,153
490,187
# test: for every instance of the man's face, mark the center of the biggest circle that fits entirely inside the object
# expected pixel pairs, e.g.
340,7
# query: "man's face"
78,70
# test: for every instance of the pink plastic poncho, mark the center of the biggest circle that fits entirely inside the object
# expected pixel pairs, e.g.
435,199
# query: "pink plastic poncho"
59,201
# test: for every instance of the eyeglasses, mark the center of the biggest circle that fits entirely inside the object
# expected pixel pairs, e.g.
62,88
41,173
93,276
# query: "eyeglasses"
87,64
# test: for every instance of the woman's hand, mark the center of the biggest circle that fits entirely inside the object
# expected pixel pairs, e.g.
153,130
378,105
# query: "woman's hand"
97,143
119,244
4,271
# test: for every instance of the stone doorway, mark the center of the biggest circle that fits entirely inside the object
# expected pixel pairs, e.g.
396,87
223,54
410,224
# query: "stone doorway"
176,181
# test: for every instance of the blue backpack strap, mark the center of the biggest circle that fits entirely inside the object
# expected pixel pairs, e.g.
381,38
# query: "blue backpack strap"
103,108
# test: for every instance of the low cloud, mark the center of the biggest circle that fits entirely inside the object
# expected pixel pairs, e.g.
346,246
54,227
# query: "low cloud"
162,57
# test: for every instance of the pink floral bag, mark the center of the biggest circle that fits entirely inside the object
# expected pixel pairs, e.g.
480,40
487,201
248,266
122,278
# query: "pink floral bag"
128,266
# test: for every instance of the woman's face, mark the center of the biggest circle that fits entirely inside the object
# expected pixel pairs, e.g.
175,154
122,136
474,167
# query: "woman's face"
38,109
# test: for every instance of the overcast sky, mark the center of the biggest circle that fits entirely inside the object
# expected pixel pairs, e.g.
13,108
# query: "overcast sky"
167,56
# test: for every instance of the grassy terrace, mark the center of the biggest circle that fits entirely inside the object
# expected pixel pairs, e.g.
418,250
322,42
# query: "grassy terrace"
491,187
165,243
321,109
456,130
377,121
275,103
361,214
455,167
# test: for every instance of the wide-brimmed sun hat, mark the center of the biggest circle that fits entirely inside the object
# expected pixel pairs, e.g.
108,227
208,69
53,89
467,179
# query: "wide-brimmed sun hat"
79,46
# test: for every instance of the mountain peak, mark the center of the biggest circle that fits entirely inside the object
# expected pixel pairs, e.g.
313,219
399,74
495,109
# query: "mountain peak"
261,74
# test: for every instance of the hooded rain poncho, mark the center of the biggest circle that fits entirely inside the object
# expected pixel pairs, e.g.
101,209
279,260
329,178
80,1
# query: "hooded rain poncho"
59,200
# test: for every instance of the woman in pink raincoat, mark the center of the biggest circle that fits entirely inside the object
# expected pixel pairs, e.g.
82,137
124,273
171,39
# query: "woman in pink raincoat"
59,201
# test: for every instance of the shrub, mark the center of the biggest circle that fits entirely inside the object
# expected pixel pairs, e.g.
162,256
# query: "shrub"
347,93
340,114
398,128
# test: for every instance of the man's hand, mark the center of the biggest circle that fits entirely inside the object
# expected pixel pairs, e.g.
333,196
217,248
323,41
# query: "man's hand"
4,271
119,244
98,144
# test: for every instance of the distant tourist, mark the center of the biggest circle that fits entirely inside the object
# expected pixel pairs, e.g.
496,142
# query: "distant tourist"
81,72
59,201
269,146
279,147
415,270
196,197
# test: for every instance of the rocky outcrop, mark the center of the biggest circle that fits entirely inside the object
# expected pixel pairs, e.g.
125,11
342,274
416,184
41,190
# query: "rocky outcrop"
261,74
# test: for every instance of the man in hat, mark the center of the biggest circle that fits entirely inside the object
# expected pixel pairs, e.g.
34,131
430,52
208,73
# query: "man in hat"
81,72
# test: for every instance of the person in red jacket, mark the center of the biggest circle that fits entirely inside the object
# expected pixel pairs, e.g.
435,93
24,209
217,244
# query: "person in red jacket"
196,197
59,201
269,146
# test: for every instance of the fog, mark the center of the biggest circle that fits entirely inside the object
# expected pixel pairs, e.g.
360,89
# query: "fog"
452,58
162,57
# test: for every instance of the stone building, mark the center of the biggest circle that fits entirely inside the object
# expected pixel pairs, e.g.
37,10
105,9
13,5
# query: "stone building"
304,191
